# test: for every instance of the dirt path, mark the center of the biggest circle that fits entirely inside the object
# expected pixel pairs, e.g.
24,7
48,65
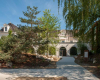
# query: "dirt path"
41,78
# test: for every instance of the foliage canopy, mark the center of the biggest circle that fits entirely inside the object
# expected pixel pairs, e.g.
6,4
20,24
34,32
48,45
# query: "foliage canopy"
84,17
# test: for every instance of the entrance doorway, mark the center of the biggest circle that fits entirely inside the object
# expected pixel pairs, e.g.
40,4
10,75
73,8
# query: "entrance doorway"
73,51
63,51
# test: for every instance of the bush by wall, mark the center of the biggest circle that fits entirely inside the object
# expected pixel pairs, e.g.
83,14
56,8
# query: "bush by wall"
30,50
52,50
41,50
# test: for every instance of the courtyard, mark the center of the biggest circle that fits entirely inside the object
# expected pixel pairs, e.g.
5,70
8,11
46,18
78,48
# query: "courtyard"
66,67
50,40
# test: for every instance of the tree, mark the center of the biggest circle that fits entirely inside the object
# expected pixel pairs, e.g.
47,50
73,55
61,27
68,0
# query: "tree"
2,40
32,32
51,24
83,16
31,15
26,37
10,33
52,50
41,49
81,47
21,43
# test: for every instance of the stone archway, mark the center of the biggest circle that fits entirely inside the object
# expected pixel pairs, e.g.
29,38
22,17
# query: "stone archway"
63,51
73,51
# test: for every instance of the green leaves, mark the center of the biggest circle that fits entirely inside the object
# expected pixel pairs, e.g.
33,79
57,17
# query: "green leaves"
51,24
5,56
80,11
31,16
41,49
82,16
10,33
81,46
52,50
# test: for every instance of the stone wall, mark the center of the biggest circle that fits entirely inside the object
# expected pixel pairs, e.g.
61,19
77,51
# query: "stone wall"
68,46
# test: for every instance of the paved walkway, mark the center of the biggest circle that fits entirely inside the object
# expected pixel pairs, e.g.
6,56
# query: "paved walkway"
68,63
65,67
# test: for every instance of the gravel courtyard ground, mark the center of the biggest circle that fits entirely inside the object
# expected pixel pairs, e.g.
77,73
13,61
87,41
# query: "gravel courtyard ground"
66,67
90,67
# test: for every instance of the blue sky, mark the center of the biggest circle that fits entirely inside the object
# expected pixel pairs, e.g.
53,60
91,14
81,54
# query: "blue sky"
11,10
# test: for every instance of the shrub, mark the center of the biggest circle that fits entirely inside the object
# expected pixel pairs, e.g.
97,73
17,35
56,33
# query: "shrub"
5,57
24,40
82,48
9,44
10,33
2,40
52,50
30,50
41,50
97,58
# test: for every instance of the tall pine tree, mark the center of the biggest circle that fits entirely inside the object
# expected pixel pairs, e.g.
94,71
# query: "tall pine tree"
31,16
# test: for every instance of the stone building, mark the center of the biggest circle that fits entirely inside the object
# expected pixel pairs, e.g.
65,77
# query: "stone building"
66,47
5,29
68,44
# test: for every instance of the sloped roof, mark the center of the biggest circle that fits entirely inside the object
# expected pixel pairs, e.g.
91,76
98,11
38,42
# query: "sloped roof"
12,27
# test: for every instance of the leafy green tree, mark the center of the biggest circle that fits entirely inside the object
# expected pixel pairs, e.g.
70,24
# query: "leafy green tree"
84,17
41,49
9,33
52,50
51,24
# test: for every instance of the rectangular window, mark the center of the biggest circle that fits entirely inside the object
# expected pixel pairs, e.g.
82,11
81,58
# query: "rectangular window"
71,39
63,41
5,28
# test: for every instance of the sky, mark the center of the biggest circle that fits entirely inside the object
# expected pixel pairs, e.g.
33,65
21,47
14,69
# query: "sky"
11,10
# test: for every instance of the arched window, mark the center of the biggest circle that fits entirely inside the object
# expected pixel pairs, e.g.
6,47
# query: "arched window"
5,28
62,51
73,51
